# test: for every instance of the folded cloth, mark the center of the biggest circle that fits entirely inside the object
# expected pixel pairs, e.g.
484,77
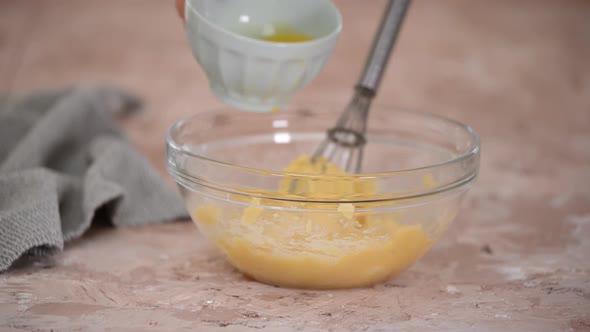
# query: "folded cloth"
62,162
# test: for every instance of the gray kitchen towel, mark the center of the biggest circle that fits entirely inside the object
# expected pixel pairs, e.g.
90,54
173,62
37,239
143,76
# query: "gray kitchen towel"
62,161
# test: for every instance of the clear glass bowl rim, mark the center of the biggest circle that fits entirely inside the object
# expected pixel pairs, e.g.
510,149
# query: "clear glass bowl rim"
471,152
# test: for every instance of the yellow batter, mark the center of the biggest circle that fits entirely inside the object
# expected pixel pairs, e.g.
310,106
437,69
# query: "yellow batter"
286,34
328,246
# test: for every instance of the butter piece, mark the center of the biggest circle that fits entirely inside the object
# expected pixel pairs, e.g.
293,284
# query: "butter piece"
208,215
347,210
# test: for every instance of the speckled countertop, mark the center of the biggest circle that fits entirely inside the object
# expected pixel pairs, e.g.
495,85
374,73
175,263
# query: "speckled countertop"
516,259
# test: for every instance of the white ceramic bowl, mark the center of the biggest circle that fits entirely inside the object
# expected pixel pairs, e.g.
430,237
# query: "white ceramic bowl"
253,74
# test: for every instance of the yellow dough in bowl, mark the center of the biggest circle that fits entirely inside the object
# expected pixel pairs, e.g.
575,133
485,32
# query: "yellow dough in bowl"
310,245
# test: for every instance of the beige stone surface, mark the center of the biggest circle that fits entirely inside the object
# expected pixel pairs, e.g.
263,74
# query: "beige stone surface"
516,259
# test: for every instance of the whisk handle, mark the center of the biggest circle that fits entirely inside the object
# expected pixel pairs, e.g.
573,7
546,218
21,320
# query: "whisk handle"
382,45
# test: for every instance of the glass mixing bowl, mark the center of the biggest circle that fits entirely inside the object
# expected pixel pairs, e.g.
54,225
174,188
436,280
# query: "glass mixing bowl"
335,231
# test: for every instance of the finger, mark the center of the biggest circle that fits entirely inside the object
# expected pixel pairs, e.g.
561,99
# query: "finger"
180,8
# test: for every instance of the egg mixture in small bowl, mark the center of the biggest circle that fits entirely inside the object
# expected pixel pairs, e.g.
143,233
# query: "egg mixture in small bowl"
253,191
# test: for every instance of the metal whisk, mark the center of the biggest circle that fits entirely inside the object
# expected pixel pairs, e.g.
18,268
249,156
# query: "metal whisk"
344,143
